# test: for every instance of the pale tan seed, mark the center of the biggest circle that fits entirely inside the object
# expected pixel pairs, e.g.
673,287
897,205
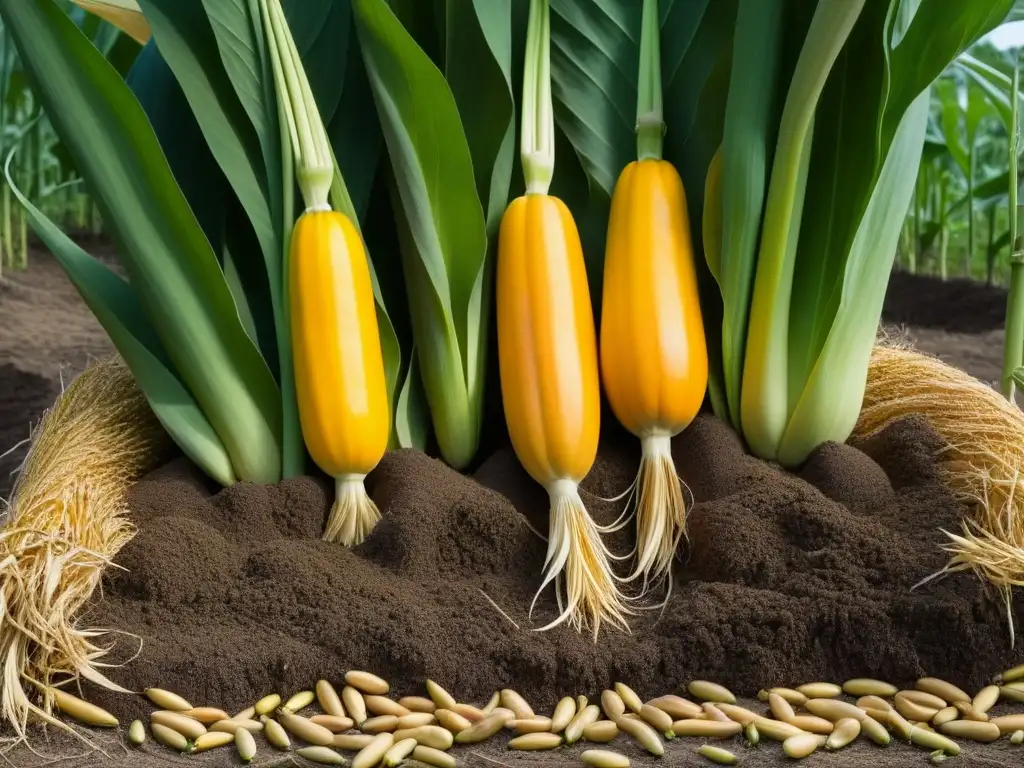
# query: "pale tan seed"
657,718
564,712
820,690
711,729
82,711
531,725
763,695
986,698
712,712
1011,693
471,713
482,730
752,734
944,690
1017,737
327,697
453,721
512,700
945,715
186,726
875,731
267,704
373,752
419,703
398,752
508,714
629,697
914,711
137,733
708,691
717,755
873,702
382,705
276,734
795,698
354,704
937,757
834,710
333,723
536,741
735,712
644,735
773,729
969,712
299,701
676,706
866,686
416,719
232,725
379,724
612,704
367,682
604,758
167,700
433,757
169,737
1010,675
881,715
1009,723
213,740
923,698
897,722
428,735
351,741
845,731
574,730
813,724
307,730
971,730
321,755
581,703
600,732
780,708
205,715
800,745
246,714
933,740
439,695
492,703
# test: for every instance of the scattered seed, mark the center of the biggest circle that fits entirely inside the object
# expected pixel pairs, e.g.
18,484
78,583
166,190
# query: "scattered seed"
676,706
483,730
276,734
246,714
574,730
713,712
167,700
428,735
327,697
379,724
820,690
644,735
169,737
333,723
735,712
206,715
82,711
800,745
763,695
718,755
702,689
604,758
897,722
795,698
367,682
1009,723
213,740
914,711
382,705
972,730
374,752
875,731
945,715
512,700
354,704
137,733
612,704
629,697
267,704
659,719
232,725
873,702
453,721
750,731
881,715
581,703
1016,673
706,728
780,708
775,730
420,703
1011,693
813,724
470,712
434,757
866,686
564,712
415,720
986,698
321,755
536,741
845,731
969,712
351,741
508,714
398,752
494,701
923,698
306,730
937,757
944,690
439,695
600,732
834,710
530,725
1017,737
933,740
186,726
299,701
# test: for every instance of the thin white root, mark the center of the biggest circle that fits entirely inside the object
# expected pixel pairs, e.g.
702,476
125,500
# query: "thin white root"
578,557
353,514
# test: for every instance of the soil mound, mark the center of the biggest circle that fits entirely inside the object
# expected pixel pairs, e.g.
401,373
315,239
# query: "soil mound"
788,578
25,397
958,304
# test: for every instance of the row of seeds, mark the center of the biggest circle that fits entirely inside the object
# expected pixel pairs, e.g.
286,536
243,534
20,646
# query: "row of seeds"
934,714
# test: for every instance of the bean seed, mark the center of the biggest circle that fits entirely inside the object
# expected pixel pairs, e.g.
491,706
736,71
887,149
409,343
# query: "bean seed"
813,724
321,755
937,757
1009,723
351,742
914,711
470,712
328,699
629,697
333,723
775,730
795,698
429,736
708,691
354,704
170,737
604,758
820,690
923,698
845,731
453,721
421,704
933,740
530,725
971,729
167,700
646,736
1011,693
800,745
483,730
246,714
865,686
658,719
735,712
186,726
1010,675
299,701
232,725
946,715
536,741
434,757
677,707
834,710
398,752
306,730
379,724
495,700
373,752
706,728
712,712
574,730
137,733
750,731
267,704
564,712
581,703
612,704
439,695
600,732
898,723
206,715
969,712
512,700
276,734
1017,737
367,682
780,708
213,740
382,705
944,690
986,698
82,711
875,731
718,755
873,702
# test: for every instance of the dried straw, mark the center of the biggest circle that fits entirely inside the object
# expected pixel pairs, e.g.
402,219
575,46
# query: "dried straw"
982,460
64,525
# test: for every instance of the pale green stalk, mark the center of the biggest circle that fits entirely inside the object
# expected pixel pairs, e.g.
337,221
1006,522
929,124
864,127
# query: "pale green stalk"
650,115
1013,345
538,126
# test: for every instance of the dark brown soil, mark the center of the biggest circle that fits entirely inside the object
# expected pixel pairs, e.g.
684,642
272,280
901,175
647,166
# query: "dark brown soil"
958,304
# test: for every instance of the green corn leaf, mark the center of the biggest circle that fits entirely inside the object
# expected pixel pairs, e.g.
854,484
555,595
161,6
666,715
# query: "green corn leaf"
411,413
441,226
119,311
168,259
992,82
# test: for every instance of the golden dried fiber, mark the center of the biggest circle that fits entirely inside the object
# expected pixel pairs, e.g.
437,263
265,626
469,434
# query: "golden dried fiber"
65,524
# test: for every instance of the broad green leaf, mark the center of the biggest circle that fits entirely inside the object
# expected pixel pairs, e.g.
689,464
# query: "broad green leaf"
951,123
119,311
168,260
442,225
994,83
411,416
123,14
